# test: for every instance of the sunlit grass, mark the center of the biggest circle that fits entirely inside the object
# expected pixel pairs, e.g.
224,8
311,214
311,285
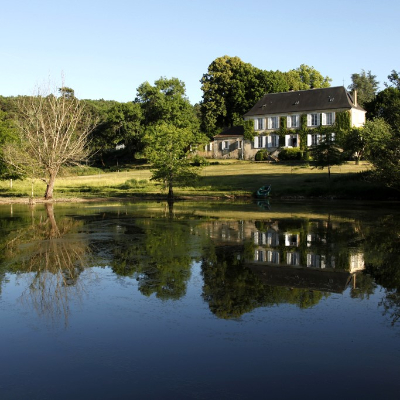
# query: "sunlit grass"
227,178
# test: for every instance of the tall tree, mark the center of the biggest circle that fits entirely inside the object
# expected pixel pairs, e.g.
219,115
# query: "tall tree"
231,87
169,149
8,133
366,85
394,79
67,92
52,132
327,154
383,151
305,77
166,101
386,105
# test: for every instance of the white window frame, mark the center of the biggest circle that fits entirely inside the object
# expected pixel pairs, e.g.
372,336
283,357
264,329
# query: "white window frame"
273,122
274,141
225,145
290,137
259,124
328,118
315,139
313,119
292,121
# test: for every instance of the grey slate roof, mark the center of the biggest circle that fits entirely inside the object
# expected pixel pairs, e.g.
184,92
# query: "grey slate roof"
231,131
303,100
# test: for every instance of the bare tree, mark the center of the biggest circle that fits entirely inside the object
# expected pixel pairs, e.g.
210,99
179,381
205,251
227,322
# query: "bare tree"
53,132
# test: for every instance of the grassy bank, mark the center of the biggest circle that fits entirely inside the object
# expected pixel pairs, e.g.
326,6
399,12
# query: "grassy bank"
225,179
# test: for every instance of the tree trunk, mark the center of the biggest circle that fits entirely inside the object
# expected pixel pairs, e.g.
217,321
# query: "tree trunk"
170,192
54,232
50,186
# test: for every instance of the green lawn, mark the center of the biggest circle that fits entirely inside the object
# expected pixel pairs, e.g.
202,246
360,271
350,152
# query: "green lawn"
226,179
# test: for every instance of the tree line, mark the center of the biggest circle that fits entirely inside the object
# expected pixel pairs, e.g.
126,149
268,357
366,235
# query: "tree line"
42,133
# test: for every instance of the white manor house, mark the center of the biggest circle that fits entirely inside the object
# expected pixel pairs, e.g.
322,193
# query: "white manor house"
316,107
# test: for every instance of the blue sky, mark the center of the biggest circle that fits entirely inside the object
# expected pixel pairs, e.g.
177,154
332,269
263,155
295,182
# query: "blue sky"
106,49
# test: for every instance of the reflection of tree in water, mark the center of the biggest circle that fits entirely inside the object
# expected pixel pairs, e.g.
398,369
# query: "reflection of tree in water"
53,260
157,253
232,289
382,259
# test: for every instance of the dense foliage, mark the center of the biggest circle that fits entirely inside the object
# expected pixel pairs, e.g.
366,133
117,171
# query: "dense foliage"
231,87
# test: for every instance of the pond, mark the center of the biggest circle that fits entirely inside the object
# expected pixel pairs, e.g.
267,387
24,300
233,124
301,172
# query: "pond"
218,300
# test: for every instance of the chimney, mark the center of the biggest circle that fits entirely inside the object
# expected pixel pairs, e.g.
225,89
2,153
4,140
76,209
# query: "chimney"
355,97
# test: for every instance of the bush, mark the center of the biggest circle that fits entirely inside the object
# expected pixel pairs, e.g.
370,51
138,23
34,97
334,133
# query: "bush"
290,154
261,155
198,161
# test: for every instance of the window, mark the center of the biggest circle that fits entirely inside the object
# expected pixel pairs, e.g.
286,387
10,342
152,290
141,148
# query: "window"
313,119
273,257
259,124
274,141
293,258
225,144
209,147
291,141
328,118
315,139
292,121
259,255
273,123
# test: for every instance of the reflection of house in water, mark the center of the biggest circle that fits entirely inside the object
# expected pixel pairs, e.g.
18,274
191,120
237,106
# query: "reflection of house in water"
304,258
228,231
310,255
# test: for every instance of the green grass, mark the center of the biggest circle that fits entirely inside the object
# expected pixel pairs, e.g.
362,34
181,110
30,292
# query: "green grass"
226,179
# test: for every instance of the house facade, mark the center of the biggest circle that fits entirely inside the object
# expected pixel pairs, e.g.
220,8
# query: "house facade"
296,119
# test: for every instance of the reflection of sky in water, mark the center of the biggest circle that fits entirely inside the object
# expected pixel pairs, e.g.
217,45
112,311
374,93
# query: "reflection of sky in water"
119,342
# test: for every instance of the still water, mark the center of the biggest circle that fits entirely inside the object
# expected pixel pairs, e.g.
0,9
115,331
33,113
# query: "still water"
202,301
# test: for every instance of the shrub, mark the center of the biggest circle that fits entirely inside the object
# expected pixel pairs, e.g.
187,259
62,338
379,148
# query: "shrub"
290,154
261,155
198,161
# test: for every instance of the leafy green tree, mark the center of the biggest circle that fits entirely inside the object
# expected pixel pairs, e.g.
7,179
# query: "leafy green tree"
122,125
394,79
67,92
230,88
386,105
305,77
169,149
166,101
8,133
366,85
354,144
327,154
383,151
